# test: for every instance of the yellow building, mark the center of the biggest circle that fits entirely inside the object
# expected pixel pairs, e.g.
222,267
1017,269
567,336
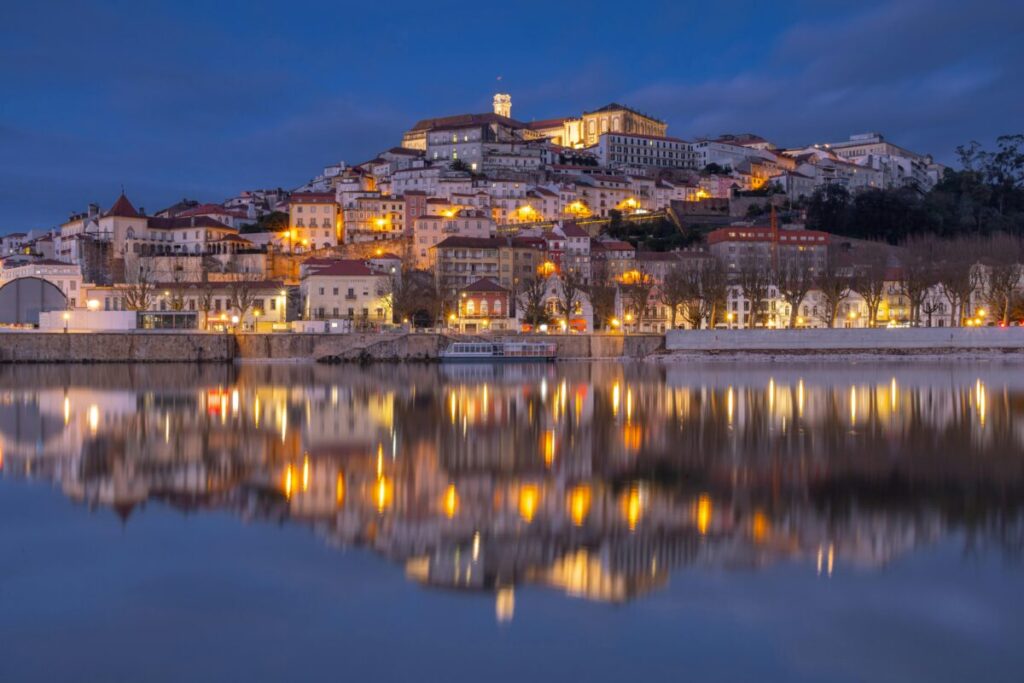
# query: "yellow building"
313,222
615,118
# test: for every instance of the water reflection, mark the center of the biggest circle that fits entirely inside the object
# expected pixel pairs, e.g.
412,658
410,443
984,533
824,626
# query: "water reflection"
598,480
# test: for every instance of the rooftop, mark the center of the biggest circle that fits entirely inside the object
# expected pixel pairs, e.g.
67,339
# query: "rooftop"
484,284
339,268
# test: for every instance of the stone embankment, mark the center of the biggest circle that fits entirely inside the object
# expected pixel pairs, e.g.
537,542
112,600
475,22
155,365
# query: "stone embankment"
188,347
837,342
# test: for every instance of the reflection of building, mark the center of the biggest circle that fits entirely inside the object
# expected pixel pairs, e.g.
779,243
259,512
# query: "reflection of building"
597,480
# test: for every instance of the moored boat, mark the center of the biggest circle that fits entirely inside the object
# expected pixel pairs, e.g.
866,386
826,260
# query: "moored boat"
499,352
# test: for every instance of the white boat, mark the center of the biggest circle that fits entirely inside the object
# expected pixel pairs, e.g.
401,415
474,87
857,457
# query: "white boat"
499,352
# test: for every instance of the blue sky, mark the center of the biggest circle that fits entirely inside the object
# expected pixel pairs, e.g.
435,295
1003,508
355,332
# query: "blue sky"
204,99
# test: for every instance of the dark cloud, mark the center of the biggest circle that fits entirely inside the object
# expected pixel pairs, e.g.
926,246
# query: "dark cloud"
928,74
205,99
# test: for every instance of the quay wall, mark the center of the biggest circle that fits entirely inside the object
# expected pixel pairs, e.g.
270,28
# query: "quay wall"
114,347
834,341
190,347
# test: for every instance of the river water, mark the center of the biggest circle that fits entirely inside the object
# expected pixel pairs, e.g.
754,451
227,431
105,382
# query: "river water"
578,521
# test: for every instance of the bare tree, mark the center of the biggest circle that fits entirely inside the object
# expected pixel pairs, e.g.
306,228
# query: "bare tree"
637,286
1002,273
714,290
957,276
205,291
530,297
571,288
917,276
408,293
601,290
675,291
794,279
242,288
834,284
176,290
931,304
869,274
139,293
755,281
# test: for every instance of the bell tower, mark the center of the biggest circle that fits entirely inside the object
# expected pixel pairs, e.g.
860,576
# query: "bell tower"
503,105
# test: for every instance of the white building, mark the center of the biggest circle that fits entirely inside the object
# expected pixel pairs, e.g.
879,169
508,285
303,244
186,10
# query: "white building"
633,149
346,289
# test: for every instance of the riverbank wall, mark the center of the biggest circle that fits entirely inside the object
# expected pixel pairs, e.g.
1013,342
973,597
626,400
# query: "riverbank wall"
911,341
192,347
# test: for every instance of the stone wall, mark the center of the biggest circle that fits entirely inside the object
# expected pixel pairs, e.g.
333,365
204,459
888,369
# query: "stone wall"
170,346
114,347
886,341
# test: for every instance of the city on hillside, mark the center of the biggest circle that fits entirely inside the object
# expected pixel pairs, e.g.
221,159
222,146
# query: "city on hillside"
595,222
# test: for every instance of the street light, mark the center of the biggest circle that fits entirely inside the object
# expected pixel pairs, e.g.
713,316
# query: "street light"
66,316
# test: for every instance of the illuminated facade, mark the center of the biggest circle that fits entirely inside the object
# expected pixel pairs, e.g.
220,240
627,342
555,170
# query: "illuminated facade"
314,222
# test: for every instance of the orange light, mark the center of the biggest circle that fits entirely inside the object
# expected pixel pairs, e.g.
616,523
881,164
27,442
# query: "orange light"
529,498
339,489
704,510
289,481
451,501
579,504
632,507
760,527
549,447
385,491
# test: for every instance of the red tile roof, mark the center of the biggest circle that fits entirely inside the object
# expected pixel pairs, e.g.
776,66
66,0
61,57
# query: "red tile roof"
312,198
123,209
342,268
206,209
484,284
189,222
571,229
470,242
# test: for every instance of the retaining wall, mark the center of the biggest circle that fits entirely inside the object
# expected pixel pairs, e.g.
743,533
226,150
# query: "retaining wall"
886,341
189,347
114,347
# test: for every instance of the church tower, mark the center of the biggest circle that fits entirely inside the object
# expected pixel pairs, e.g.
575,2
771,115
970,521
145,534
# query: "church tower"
503,105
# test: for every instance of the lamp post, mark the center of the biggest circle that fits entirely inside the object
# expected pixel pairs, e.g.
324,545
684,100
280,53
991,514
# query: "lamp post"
66,316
